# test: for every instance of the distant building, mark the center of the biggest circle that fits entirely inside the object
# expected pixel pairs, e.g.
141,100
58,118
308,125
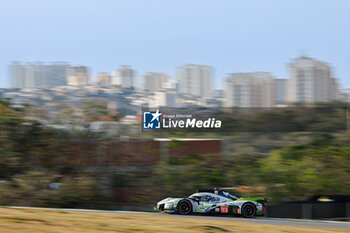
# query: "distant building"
163,99
218,94
104,79
37,74
334,89
345,94
154,81
170,85
195,80
18,75
124,77
250,90
310,81
77,75
280,91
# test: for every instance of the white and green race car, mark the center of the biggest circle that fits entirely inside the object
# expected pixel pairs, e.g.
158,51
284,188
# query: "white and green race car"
214,202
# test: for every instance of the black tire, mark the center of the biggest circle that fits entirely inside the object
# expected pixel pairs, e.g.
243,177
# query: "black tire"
248,210
184,207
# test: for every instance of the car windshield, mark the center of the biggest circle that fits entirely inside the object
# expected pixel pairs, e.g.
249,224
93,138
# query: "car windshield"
203,197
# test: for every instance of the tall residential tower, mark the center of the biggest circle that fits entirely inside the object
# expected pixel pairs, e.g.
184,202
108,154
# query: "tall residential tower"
195,80
38,74
154,81
124,77
250,90
310,81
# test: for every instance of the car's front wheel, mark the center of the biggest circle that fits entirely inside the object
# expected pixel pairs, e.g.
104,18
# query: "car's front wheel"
248,210
184,207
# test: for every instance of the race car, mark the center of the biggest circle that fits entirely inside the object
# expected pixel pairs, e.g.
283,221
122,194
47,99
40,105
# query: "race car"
214,201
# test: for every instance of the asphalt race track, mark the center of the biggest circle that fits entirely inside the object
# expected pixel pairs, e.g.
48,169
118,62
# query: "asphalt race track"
259,220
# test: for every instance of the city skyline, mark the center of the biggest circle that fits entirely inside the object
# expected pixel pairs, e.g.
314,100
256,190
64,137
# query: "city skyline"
309,81
137,80
231,36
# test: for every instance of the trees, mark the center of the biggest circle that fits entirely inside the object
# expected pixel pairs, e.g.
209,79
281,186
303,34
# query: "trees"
321,166
298,171
33,156
291,168
13,130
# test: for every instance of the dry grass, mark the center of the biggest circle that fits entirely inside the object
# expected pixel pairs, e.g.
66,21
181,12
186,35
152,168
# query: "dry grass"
46,220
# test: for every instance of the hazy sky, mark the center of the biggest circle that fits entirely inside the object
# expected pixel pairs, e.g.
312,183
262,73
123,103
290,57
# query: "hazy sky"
158,35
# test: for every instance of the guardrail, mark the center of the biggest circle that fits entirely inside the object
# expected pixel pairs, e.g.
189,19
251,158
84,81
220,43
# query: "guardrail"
319,210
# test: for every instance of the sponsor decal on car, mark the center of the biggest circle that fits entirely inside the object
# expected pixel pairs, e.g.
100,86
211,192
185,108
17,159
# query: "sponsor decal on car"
224,209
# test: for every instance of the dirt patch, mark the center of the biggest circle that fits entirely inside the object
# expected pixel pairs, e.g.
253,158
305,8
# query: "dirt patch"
24,220
212,229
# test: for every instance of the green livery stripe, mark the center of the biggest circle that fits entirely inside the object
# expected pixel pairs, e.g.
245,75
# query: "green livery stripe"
251,199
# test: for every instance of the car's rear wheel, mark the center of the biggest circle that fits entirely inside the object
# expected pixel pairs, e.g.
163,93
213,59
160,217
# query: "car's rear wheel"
248,210
184,207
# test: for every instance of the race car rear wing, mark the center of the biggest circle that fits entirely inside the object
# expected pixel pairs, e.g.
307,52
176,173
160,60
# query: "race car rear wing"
205,190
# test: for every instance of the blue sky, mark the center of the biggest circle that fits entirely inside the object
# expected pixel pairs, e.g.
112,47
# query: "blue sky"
158,35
